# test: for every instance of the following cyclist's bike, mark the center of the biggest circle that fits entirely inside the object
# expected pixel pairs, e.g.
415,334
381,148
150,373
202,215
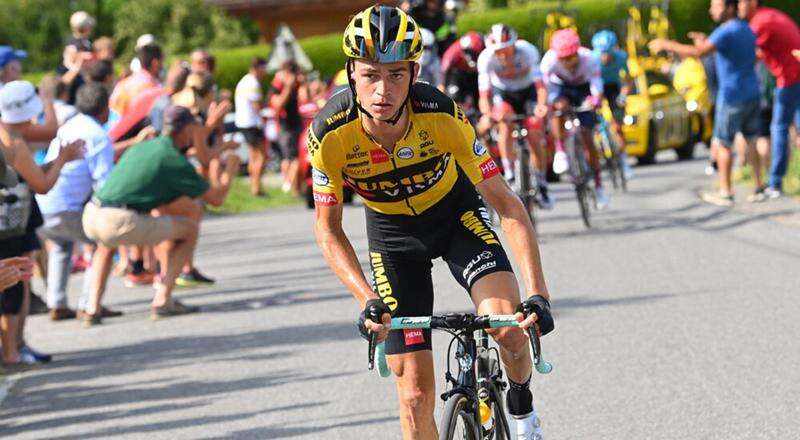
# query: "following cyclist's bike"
614,161
474,404
578,169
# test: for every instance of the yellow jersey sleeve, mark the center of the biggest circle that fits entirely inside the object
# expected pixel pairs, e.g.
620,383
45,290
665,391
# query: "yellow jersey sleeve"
471,155
327,161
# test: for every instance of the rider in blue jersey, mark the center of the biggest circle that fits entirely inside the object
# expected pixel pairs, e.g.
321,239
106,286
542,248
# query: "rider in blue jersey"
616,83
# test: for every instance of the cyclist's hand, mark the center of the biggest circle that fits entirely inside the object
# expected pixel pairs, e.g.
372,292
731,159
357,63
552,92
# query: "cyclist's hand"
541,111
656,45
484,123
535,309
375,310
594,101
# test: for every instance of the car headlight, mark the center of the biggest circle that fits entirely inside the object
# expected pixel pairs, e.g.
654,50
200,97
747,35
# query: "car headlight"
692,106
630,120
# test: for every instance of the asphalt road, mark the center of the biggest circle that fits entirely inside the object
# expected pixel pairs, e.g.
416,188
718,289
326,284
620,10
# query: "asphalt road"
674,320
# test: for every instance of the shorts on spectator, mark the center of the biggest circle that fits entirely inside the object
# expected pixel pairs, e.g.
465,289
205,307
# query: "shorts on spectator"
254,136
113,227
576,96
766,122
66,225
287,142
732,119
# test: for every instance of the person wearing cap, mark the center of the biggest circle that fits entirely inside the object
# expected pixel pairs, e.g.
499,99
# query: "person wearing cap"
151,58
62,206
142,41
150,199
22,105
249,99
10,66
18,105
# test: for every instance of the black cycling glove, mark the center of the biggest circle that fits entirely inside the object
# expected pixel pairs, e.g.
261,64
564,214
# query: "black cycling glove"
539,305
374,310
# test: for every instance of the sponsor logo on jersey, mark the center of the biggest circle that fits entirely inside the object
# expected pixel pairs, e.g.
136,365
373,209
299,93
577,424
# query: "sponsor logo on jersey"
413,336
319,178
478,148
325,199
356,155
312,144
405,153
426,144
479,228
427,105
489,168
485,255
363,163
378,156
413,179
482,268
380,282
423,135
336,117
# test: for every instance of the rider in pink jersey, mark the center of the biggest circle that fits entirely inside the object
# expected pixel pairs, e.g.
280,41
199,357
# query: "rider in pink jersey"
573,78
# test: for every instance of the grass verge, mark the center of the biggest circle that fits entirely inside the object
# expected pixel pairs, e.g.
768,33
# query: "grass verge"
240,200
791,183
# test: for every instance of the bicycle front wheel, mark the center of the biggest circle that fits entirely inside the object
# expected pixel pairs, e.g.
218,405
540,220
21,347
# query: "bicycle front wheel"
458,419
501,429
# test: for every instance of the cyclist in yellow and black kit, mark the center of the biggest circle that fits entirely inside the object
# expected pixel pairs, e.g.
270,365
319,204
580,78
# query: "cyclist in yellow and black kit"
412,156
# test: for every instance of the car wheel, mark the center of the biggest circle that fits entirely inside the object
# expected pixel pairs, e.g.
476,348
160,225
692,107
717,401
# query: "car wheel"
649,156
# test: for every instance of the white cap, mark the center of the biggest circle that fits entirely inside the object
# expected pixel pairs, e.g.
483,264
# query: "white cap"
19,102
81,20
145,40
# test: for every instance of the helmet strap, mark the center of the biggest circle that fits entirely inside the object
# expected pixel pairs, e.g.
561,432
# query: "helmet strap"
396,118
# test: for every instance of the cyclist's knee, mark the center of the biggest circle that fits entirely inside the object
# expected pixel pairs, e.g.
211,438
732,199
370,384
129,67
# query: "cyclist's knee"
512,339
417,400
561,104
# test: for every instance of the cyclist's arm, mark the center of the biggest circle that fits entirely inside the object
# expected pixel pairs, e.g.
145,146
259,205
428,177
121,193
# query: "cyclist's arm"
700,49
517,226
484,82
339,253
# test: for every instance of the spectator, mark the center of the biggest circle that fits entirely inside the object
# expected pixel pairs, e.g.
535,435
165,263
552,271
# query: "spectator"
777,35
19,104
103,49
32,132
77,53
737,109
62,206
151,192
52,86
10,66
142,41
14,270
176,80
249,102
284,102
102,72
150,57
202,61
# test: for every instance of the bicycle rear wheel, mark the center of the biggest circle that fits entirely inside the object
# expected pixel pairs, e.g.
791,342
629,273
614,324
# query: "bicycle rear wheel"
524,186
578,168
458,419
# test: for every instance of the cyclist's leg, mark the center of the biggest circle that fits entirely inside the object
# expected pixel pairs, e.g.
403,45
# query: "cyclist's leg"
479,263
407,288
502,109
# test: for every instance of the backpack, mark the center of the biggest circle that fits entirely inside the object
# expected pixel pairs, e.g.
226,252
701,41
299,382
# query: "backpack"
15,209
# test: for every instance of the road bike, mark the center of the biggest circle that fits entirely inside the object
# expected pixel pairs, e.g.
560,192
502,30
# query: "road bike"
609,151
579,170
474,405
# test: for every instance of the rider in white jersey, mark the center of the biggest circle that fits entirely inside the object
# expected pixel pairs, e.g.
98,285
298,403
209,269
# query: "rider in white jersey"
573,78
510,83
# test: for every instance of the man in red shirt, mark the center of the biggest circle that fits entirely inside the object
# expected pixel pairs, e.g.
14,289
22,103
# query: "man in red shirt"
777,36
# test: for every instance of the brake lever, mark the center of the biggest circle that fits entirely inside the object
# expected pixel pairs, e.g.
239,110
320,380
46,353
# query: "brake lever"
542,366
373,338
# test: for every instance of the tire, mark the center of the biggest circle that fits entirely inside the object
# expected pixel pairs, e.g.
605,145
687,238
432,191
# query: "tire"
501,429
581,178
524,184
611,163
457,413
649,157
686,152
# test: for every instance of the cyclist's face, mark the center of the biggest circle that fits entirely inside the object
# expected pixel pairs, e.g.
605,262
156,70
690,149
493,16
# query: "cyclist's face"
382,88
505,55
570,62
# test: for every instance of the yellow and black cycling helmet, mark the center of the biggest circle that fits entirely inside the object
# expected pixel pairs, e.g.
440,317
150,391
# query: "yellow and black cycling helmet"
382,34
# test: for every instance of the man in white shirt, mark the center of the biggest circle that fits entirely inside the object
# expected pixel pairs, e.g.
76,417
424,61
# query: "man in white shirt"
249,100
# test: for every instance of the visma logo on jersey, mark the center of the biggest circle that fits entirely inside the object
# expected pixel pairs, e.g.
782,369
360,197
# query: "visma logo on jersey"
405,153
319,178
478,148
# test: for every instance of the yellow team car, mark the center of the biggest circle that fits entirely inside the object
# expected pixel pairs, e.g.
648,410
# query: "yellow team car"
657,117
